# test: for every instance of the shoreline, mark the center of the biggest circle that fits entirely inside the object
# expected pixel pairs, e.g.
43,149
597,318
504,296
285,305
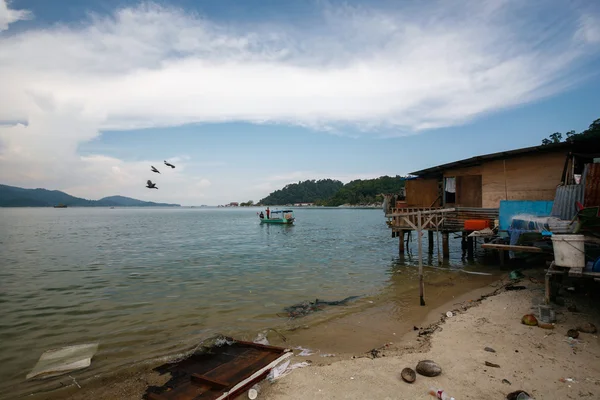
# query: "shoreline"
354,332
543,362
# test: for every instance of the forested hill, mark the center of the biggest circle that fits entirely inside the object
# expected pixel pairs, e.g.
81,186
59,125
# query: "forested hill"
309,191
334,193
365,191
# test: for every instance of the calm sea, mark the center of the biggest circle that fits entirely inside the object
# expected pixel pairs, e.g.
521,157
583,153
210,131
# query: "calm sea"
146,283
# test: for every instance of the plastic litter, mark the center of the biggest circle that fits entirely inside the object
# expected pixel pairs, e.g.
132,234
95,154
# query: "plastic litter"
61,361
304,352
440,394
253,392
283,369
261,338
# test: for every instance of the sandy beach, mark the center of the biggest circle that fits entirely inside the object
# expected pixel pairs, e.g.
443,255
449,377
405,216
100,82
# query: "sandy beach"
540,361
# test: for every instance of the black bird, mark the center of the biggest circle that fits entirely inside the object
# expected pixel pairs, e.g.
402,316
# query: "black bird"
170,165
155,170
151,185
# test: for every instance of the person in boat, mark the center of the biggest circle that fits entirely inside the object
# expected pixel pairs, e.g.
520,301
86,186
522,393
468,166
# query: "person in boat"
261,215
268,212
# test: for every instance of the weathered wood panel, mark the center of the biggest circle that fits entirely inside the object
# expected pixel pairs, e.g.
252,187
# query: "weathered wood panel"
474,170
531,177
422,193
469,191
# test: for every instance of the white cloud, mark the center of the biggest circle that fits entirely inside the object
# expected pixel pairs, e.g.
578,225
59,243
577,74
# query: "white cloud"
394,70
9,16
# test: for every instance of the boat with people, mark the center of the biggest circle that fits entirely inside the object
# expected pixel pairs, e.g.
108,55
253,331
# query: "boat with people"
60,206
281,217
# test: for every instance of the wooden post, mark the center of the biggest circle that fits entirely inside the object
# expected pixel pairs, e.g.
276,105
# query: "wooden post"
437,239
470,248
463,244
401,242
421,284
446,245
430,241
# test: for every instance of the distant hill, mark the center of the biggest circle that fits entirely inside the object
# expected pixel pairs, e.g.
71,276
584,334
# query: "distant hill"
309,191
123,201
11,196
329,192
365,191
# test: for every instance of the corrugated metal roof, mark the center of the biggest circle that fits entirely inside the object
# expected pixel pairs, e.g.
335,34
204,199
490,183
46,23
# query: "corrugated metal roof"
564,201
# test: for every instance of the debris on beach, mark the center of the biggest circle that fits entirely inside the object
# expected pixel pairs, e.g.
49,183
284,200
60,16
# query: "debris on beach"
307,307
588,327
529,320
284,369
506,381
408,375
545,325
428,368
489,364
261,338
57,362
515,395
219,368
489,349
304,352
573,333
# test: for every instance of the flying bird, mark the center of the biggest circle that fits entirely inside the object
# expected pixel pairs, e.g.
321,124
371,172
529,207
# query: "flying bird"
170,165
151,185
155,170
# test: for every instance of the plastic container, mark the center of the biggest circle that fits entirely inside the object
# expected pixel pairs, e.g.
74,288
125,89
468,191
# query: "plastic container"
476,224
440,394
546,314
569,250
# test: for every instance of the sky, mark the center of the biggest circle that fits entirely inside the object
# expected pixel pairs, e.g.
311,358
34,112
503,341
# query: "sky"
244,97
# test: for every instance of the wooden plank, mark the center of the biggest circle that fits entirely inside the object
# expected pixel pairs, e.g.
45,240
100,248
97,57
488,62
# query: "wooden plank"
204,380
414,213
525,249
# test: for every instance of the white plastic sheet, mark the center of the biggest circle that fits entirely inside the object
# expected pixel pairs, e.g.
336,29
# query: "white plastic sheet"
61,361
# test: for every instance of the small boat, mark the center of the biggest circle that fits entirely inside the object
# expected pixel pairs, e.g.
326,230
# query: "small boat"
283,217
61,206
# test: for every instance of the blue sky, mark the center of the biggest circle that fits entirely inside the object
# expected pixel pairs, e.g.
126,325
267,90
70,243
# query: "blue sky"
247,96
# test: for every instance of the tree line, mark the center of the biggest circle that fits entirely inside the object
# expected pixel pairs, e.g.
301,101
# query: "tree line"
557,137
333,193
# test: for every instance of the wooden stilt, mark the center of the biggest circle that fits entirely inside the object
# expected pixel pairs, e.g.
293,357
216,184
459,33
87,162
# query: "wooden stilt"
463,244
430,242
401,242
470,248
420,243
439,254
446,245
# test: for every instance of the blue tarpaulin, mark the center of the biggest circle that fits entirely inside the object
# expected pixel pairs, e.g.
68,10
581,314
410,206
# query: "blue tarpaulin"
510,208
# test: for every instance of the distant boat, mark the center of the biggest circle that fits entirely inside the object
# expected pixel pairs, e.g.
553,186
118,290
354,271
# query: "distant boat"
283,217
61,206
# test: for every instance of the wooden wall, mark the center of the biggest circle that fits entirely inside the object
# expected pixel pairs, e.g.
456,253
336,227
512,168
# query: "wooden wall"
531,177
422,193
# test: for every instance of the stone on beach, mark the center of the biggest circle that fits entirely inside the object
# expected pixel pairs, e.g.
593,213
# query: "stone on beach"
428,368
408,375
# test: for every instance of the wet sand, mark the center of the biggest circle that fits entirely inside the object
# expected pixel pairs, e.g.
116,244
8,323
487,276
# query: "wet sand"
347,332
